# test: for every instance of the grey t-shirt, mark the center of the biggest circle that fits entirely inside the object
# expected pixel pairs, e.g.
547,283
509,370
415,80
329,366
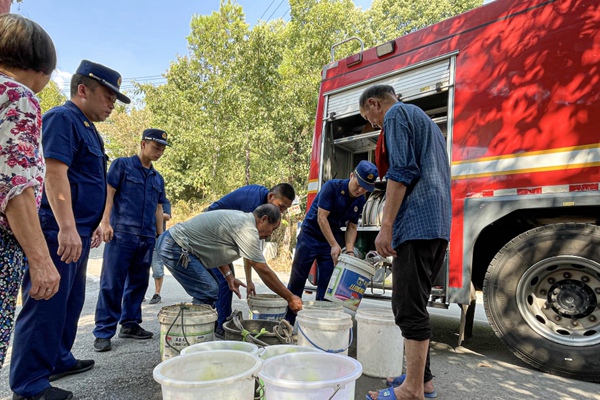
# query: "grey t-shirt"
220,237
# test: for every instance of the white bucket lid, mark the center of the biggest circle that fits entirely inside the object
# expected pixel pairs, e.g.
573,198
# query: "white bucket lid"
363,265
324,319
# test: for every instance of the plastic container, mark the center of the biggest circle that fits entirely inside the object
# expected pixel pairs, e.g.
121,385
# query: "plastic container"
379,345
223,345
329,331
310,376
279,349
322,305
217,374
349,280
267,306
183,325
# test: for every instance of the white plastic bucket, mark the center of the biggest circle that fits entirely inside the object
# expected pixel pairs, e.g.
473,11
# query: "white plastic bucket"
217,374
279,349
322,305
267,306
223,345
329,331
379,342
183,325
308,376
349,280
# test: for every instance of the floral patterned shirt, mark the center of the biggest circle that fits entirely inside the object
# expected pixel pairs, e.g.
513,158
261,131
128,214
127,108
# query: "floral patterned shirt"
21,157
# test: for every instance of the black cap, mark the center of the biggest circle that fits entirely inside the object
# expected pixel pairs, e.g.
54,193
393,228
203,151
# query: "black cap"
155,134
106,76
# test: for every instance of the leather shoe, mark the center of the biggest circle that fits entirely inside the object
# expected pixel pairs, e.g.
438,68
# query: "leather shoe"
51,393
79,367
135,332
102,345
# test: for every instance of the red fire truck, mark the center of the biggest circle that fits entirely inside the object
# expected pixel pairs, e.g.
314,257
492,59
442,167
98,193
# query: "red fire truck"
514,86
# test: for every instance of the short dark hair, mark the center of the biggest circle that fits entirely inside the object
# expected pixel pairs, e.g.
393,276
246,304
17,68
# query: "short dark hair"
270,211
25,45
284,190
377,91
78,79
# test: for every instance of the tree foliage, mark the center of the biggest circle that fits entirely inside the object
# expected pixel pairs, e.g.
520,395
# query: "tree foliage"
51,97
240,106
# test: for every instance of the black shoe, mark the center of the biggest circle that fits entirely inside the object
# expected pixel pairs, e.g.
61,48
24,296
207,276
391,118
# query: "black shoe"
79,367
155,299
135,332
51,393
102,345
220,334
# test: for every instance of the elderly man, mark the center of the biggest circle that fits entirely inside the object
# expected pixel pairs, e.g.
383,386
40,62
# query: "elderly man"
415,226
214,240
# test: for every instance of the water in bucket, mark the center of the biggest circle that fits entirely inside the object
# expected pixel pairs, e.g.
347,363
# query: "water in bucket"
379,342
183,325
322,305
267,306
329,331
222,345
349,280
279,349
216,374
310,376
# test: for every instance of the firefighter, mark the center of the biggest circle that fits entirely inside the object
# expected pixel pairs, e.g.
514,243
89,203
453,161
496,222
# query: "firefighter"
415,226
71,209
339,203
131,221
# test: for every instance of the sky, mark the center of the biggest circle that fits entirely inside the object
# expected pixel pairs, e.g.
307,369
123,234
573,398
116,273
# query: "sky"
138,38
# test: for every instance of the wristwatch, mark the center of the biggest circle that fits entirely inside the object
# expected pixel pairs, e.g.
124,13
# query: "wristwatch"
227,273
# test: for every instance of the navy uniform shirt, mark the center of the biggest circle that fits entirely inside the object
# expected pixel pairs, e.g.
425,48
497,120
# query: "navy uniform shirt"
71,138
244,199
343,208
139,190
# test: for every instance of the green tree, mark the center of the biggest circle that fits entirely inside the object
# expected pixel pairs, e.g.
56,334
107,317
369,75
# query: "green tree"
51,97
122,131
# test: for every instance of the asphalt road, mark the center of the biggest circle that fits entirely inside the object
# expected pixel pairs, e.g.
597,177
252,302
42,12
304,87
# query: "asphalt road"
482,368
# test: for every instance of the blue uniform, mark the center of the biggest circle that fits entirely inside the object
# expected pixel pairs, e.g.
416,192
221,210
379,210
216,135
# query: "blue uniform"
244,199
127,257
45,329
158,268
312,245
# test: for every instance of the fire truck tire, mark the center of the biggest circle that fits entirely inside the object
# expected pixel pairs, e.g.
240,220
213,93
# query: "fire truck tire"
542,297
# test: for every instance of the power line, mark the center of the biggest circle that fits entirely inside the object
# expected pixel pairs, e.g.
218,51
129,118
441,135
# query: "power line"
288,10
274,11
263,14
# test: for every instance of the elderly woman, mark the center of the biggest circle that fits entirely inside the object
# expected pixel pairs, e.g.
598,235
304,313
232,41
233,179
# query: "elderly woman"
27,58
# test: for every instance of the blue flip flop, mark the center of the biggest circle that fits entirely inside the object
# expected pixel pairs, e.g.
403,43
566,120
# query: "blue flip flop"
400,379
387,394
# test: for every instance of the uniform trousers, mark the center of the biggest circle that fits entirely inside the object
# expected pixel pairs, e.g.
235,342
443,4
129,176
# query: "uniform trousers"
45,329
123,282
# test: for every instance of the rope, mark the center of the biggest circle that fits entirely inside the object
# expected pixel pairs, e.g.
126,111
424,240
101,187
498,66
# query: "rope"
327,351
180,313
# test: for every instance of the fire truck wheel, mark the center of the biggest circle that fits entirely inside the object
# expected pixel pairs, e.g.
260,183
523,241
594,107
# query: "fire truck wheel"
542,297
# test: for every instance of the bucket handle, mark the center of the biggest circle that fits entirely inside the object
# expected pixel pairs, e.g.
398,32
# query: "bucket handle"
327,351
180,313
259,393
337,389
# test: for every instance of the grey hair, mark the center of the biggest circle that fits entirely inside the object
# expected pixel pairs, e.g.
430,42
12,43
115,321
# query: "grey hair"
271,211
376,91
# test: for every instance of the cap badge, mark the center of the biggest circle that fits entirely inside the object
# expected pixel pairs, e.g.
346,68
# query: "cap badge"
119,81
164,135
370,176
